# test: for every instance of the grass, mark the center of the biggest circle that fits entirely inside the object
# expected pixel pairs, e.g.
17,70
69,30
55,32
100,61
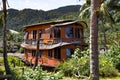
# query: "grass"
113,78
107,78
71,78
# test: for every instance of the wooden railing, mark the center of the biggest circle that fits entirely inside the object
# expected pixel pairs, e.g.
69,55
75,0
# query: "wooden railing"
43,41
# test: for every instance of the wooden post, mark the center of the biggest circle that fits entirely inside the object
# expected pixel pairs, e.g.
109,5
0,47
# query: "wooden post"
37,51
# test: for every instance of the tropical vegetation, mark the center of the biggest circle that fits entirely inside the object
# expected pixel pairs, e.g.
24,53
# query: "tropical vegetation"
78,66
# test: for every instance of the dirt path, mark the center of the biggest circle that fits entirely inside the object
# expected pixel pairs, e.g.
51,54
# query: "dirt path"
19,55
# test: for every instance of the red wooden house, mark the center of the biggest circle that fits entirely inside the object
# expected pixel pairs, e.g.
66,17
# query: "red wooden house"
58,40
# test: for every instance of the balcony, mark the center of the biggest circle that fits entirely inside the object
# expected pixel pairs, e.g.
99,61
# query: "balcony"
50,43
43,41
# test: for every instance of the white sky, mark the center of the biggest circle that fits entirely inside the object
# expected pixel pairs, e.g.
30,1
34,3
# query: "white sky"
42,4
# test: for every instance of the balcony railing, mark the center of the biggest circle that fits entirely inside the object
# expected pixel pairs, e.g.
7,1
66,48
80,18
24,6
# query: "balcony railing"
43,41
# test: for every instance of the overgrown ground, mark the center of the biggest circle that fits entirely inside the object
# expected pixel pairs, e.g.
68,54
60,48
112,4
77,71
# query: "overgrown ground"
107,78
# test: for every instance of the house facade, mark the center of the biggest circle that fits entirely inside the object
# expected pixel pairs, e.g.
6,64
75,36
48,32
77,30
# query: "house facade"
58,40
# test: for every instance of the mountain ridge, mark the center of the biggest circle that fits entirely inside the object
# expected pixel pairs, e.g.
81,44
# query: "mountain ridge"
18,18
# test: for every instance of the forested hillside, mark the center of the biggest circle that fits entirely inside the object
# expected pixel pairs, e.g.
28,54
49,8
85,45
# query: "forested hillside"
18,18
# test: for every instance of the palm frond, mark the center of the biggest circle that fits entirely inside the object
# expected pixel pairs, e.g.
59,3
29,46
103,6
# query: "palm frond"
84,13
105,13
83,7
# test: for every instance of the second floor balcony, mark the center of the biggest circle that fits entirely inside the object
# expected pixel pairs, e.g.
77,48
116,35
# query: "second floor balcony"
51,43
43,41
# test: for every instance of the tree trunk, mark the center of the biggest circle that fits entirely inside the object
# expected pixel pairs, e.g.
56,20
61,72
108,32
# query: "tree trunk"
37,51
94,59
7,68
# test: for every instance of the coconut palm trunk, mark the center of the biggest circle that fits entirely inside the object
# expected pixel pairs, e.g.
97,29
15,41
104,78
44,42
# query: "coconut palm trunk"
94,61
7,68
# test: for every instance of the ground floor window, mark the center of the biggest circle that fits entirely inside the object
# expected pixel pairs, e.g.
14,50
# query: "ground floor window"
69,52
57,53
40,53
50,53
33,53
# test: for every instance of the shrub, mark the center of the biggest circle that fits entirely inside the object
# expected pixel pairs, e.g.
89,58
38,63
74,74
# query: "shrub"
114,55
106,67
1,60
1,50
78,65
16,73
13,61
2,70
39,74
21,50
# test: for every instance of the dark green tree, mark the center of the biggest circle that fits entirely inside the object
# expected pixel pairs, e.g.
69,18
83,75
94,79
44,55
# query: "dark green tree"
7,68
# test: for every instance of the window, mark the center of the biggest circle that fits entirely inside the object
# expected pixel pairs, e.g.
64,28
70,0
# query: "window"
39,32
77,32
26,35
69,32
33,53
50,34
57,33
69,52
34,34
57,53
81,33
50,53
40,53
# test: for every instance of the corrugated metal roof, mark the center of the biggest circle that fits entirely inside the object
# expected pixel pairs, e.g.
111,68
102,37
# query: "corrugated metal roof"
59,23
68,23
50,22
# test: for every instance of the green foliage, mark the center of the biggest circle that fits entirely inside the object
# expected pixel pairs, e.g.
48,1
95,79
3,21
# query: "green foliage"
16,73
39,74
1,50
78,65
17,19
21,50
113,54
2,70
107,68
13,40
1,59
13,61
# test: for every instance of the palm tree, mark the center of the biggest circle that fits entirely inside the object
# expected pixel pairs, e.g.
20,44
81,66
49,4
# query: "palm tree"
7,68
104,15
94,60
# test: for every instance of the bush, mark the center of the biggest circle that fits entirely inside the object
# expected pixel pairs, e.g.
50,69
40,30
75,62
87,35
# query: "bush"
107,68
114,55
16,73
1,50
2,70
39,74
21,50
13,61
78,65
1,60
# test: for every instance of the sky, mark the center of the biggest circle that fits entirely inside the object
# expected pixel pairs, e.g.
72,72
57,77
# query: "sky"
42,4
